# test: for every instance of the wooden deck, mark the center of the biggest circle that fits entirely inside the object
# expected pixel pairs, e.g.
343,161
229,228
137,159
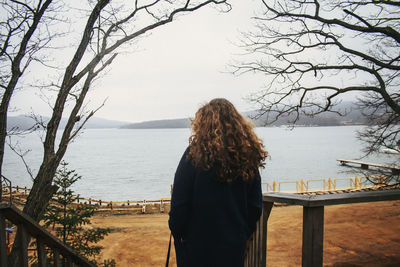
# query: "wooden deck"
313,222
366,165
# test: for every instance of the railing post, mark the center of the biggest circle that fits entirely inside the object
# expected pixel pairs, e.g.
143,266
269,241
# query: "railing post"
313,236
3,244
41,252
23,245
257,245
57,261
144,206
264,232
161,206
68,261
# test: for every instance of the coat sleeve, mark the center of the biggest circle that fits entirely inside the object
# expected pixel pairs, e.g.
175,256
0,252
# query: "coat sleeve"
254,203
181,199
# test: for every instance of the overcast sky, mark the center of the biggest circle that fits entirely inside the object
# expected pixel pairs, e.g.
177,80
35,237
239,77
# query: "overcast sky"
171,72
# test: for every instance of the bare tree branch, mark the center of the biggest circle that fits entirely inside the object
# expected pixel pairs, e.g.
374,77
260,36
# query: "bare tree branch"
108,27
314,52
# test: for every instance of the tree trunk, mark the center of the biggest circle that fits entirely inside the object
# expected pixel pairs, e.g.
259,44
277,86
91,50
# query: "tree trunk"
5,101
41,193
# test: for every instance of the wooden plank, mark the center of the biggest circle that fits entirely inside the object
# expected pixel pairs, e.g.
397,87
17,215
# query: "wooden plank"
3,241
364,165
264,218
57,261
288,198
251,254
68,261
354,197
23,245
313,236
257,243
256,250
245,258
332,199
41,252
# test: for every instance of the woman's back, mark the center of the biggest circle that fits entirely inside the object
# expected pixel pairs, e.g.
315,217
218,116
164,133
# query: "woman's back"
216,198
219,219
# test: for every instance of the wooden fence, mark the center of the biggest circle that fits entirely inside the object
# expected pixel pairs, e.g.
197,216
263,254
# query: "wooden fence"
325,185
162,205
19,195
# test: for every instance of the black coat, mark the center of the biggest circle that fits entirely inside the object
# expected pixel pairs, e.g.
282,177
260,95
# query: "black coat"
211,221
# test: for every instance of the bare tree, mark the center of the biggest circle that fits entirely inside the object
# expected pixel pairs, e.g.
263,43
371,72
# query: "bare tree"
20,44
313,52
109,26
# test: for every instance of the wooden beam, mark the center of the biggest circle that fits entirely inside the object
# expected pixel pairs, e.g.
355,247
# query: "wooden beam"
313,216
23,245
264,219
41,252
365,165
57,261
332,199
68,261
313,236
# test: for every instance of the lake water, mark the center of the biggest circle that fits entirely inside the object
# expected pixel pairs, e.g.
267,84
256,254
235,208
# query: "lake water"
131,164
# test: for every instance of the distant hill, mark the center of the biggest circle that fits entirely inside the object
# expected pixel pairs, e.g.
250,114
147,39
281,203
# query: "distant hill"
159,124
24,122
353,117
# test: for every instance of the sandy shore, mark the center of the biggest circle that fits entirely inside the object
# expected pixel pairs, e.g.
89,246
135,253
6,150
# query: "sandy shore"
365,234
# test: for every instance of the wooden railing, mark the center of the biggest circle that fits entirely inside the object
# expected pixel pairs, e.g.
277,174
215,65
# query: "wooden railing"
29,228
325,185
20,193
313,222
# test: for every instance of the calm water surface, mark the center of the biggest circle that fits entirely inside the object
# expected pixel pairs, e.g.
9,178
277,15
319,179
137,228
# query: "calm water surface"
125,164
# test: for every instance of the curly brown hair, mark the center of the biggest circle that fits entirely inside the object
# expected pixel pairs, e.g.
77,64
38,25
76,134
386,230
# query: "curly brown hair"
224,140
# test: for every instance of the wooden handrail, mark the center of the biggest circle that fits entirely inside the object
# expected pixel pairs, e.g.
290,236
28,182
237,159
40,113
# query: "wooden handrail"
313,222
43,237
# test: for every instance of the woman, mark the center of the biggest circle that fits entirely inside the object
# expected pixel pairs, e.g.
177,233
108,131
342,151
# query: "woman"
216,198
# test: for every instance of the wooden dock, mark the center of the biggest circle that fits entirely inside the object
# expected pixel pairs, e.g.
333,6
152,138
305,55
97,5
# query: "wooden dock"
366,165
